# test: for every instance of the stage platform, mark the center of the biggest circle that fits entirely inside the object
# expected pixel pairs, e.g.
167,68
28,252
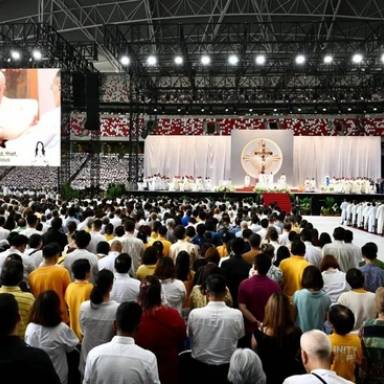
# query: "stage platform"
317,198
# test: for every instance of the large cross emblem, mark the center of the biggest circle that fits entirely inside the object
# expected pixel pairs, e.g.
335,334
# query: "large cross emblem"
264,154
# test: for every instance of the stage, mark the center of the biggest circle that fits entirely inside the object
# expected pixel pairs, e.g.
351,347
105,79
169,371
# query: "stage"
317,199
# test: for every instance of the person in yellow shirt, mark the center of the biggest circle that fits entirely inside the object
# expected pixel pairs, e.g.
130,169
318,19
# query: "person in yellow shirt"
51,276
148,267
108,232
11,277
224,249
77,292
162,233
346,347
293,268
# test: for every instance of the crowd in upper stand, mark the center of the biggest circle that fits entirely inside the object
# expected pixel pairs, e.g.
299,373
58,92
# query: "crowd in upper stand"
184,291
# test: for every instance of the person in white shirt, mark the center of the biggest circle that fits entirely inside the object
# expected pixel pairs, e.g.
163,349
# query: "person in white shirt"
173,290
82,240
18,245
34,251
338,249
283,238
353,249
264,229
182,245
335,282
125,288
312,253
32,221
132,245
121,361
97,315
108,262
358,300
47,332
96,236
214,331
316,355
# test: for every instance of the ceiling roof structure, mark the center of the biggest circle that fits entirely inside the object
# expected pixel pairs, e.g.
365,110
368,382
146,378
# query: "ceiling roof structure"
279,30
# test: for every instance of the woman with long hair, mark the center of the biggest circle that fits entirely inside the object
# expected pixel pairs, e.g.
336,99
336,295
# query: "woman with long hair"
184,273
149,262
173,289
97,315
47,331
161,330
278,340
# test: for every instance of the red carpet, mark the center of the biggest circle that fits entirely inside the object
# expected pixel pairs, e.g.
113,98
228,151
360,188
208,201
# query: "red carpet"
282,200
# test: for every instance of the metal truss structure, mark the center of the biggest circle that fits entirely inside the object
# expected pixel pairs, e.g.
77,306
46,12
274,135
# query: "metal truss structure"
247,85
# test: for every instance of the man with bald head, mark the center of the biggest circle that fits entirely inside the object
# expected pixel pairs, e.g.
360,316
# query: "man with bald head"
316,354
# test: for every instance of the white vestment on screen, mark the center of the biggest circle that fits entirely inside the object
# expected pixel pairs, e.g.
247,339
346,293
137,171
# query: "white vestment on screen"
372,218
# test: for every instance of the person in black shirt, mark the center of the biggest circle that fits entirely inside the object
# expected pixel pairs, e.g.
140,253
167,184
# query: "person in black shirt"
235,269
20,363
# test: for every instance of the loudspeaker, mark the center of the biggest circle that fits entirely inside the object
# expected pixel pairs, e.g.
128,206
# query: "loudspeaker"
78,86
273,125
92,102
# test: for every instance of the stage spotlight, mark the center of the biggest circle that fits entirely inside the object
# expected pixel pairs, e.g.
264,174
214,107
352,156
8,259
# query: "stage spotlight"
226,110
260,59
274,109
382,58
349,109
328,59
250,110
125,60
37,55
154,109
151,60
202,110
324,109
205,60
178,109
300,59
178,60
15,55
357,58
375,109
233,60
298,109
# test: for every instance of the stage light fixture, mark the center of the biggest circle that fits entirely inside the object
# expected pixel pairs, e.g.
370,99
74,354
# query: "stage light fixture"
250,110
233,59
349,109
154,109
125,60
382,58
226,110
324,109
202,110
205,60
151,60
298,109
274,109
260,59
357,58
328,59
178,109
300,59
37,55
375,109
15,55
179,60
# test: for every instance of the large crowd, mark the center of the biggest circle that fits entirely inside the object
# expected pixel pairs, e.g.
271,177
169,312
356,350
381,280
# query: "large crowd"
176,291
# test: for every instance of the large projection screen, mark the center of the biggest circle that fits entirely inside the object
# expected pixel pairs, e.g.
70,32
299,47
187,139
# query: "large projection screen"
30,117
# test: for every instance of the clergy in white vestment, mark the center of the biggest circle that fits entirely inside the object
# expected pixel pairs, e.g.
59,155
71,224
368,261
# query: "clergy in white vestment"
343,207
380,219
372,218
366,210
